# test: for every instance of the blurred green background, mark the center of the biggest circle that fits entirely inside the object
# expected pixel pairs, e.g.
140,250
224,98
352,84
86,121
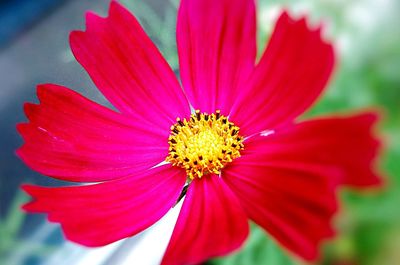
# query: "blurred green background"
367,38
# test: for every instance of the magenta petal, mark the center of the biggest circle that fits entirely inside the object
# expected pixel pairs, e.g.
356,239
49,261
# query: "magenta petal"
346,144
295,207
211,223
217,49
99,214
72,138
128,68
287,181
292,72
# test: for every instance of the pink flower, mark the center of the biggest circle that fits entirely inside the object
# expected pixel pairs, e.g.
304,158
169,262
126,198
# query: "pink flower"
248,158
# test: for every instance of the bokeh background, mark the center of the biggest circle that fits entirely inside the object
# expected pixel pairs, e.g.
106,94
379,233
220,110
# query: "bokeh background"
34,49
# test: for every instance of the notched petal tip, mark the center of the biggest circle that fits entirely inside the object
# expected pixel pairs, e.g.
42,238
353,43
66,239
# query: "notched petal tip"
93,21
47,93
19,153
21,127
26,207
75,39
29,109
304,21
43,89
42,86
284,17
29,189
377,180
74,35
372,117
288,18
117,11
116,7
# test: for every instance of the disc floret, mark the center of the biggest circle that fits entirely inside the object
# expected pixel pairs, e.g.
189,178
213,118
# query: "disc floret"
204,144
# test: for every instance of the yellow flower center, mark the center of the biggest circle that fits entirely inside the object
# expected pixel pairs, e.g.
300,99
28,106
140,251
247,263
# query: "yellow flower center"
204,144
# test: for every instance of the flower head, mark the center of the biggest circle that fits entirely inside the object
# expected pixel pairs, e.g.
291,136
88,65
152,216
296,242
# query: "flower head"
242,153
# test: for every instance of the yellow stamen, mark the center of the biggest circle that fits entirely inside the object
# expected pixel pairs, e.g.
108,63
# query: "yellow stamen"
204,144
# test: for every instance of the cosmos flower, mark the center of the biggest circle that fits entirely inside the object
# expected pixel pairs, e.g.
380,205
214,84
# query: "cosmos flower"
242,155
